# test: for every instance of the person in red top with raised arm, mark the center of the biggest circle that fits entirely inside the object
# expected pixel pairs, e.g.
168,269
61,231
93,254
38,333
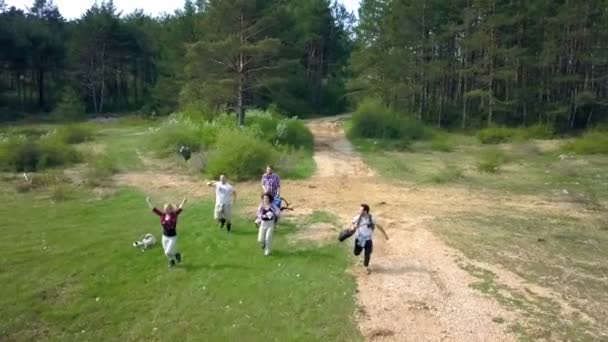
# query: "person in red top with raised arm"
168,220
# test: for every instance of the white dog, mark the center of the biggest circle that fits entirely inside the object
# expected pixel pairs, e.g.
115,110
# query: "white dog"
148,241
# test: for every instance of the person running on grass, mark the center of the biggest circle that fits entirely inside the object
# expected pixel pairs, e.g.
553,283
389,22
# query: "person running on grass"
271,184
225,195
365,225
168,219
267,218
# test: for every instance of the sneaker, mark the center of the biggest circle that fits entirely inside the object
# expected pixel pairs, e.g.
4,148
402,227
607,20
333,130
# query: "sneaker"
263,245
266,253
171,263
368,271
228,226
178,256
222,223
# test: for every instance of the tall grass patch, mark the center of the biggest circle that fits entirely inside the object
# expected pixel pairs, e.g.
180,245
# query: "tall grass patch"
491,160
594,142
499,135
18,154
239,154
374,120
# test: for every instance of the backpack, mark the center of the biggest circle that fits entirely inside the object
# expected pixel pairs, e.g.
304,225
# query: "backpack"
371,224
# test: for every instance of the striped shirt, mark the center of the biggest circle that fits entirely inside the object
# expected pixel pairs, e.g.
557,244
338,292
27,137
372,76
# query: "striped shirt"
271,183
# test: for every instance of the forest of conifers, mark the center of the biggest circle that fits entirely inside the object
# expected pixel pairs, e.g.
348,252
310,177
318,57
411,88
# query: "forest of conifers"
451,63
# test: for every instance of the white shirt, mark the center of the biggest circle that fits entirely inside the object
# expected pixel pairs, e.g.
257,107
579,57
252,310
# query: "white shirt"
364,231
223,193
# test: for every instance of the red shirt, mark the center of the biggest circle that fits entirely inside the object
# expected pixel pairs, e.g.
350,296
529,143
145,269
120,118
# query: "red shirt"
168,221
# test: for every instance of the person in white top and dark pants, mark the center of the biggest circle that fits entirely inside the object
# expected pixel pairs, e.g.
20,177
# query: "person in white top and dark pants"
225,195
365,224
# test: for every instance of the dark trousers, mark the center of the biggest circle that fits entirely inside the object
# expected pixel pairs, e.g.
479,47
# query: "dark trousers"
369,246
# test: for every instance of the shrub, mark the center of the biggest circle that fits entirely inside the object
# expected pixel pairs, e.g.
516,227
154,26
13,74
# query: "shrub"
498,135
271,128
594,142
20,155
491,160
294,163
29,132
169,137
239,155
375,120
449,173
61,193
441,142
55,154
495,135
70,107
100,169
74,134
294,133
537,131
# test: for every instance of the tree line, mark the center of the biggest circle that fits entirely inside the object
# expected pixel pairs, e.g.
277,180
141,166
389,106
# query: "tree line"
456,63
472,63
220,54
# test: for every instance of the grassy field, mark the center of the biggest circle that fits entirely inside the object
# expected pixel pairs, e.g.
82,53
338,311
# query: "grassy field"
532,168
562,252
69,272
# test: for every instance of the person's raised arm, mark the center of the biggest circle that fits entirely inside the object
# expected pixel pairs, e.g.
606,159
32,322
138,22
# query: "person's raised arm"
149,204
383,231
181,205
212,183
153,208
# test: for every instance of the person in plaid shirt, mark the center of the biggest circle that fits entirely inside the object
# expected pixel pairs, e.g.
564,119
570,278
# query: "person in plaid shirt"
271,184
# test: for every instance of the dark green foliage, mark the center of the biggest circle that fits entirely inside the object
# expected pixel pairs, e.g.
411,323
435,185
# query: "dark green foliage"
375,120
20,155
238,154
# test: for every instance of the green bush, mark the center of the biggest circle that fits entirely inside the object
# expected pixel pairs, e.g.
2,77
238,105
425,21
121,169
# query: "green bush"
20,155
169,137
449,173
441,142
294,163
26,131
498,135
240,155
491,160
263,126
198,111
99,171
271,128
70,107
594,142
294,133
375,120
74,134
495,135
537,131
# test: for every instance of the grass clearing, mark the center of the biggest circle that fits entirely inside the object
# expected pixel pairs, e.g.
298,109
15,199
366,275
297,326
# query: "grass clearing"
563,253
524,168
70,273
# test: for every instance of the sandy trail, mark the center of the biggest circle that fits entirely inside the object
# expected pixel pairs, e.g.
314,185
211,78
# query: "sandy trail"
417,291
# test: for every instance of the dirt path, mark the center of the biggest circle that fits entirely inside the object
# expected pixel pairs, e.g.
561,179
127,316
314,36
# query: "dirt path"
417,291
